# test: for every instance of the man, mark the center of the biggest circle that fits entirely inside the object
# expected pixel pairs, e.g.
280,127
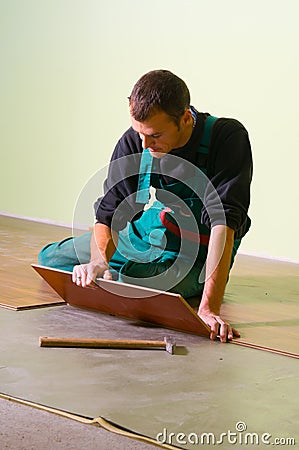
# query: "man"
185,241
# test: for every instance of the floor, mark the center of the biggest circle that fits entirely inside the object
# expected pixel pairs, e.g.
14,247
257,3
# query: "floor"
205,387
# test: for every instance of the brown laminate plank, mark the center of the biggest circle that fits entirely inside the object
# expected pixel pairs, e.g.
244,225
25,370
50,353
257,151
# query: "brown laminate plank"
21,241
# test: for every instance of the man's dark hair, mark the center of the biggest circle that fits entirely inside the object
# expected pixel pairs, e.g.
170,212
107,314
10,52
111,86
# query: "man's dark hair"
159,90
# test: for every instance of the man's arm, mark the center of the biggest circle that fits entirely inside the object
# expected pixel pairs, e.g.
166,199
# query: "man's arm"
103,244
217,270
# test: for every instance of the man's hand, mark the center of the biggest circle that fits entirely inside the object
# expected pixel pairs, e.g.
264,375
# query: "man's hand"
85,274
219,327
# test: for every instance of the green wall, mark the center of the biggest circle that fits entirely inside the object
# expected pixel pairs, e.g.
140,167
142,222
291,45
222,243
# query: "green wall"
67,67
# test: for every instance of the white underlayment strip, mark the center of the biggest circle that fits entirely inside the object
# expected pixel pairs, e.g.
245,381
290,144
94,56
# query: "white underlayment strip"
84,227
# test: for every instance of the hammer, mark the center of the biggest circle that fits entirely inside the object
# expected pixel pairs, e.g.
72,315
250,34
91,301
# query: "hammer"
168,343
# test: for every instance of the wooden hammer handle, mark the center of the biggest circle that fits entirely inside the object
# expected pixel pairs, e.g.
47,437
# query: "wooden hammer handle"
99,343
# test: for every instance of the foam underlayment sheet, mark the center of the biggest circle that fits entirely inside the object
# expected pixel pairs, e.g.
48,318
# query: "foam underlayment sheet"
205,387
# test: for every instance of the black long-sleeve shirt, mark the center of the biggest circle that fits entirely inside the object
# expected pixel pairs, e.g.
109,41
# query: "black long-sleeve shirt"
229,168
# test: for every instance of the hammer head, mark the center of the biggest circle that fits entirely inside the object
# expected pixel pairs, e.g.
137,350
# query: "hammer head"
169,344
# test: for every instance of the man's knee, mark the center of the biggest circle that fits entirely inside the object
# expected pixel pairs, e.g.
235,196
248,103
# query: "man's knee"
44,256
64,255
52,256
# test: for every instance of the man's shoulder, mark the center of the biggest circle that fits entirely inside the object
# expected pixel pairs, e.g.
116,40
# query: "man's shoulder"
223,125
229,137
227,125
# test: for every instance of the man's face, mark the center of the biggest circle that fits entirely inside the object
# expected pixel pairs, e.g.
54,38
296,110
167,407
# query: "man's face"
160,134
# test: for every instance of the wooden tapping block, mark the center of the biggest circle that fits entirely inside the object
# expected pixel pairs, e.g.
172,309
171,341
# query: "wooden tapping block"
167,344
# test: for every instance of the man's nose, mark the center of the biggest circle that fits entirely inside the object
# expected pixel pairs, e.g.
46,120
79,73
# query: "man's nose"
146,141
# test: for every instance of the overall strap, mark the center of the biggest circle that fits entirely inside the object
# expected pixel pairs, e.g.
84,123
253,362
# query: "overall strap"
203,151
144,180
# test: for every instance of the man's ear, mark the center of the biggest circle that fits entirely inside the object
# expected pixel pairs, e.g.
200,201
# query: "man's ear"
187,117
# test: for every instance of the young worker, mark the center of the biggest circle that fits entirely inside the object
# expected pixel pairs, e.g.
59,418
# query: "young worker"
185,241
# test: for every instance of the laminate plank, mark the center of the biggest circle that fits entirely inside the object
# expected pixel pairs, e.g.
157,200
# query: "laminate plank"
21,241
125,300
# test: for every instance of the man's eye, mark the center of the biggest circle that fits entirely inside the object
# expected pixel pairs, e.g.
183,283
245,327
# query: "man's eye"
156,136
